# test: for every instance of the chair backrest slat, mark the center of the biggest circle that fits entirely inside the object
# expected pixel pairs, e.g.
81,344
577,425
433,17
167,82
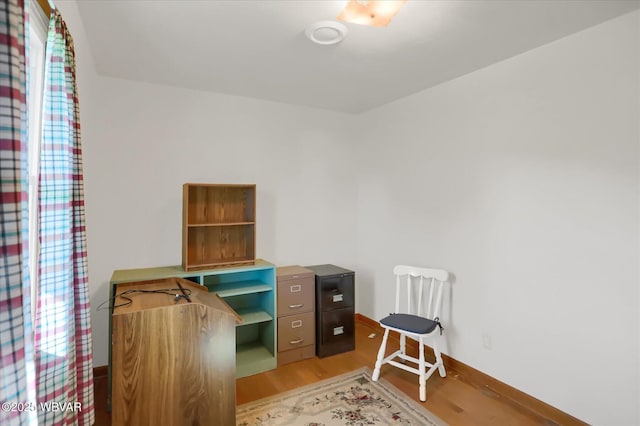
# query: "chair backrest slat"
397,293
427,301
409,293
438,303
432,286
419,307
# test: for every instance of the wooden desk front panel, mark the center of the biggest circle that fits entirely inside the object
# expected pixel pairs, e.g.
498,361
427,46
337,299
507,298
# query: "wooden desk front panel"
174,365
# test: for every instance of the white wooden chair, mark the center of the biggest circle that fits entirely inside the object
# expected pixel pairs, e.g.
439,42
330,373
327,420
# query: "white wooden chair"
418,319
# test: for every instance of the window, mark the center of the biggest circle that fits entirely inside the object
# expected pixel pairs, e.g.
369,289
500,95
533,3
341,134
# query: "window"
38,26
53,306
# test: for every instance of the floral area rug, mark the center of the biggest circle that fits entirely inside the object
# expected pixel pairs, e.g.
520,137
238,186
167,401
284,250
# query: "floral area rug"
351,399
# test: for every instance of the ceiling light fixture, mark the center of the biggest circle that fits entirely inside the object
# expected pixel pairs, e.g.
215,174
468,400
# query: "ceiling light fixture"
326,32
376,13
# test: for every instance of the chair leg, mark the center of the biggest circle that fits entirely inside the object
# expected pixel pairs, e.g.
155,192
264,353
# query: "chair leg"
441,370
423,378
381,352
403,344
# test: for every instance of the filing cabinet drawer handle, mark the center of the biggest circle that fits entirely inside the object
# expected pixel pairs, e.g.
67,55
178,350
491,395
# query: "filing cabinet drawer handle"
338,298
296,324
295,288
295,342
338,330
299,305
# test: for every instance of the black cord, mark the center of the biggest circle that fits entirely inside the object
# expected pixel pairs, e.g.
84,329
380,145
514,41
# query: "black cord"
184,293
170,291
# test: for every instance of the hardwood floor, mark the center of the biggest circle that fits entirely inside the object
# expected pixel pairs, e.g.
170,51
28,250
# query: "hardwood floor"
459,399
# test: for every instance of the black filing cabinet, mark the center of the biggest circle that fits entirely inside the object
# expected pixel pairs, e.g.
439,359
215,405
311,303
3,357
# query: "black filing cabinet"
335,310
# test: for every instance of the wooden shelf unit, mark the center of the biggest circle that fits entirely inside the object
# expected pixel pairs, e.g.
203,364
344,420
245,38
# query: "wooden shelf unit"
218,225
250,290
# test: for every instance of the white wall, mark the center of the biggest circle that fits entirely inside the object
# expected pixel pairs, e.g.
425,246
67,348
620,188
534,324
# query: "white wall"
522,180
149,140
141,142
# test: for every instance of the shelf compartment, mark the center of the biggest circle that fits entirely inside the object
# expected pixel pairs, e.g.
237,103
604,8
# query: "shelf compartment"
255,348
214,203
253,358
209,246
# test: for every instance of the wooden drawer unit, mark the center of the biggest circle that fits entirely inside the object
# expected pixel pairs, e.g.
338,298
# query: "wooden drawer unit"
335,309
296,314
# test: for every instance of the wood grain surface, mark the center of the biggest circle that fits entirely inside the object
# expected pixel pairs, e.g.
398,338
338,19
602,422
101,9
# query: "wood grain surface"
173,362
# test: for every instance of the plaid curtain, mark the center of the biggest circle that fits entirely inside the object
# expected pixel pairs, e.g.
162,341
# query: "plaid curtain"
16,350
63,330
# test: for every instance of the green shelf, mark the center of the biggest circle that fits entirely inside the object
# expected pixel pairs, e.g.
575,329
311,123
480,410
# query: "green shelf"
252,316
239,288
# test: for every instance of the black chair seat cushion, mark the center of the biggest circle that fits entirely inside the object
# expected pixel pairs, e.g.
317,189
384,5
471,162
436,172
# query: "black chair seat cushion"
411,323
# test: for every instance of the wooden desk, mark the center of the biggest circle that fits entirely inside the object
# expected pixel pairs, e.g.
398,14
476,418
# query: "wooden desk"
173,361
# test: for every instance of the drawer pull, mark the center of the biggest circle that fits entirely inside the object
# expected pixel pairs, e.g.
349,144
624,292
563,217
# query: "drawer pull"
299,305
295,342
295,288
338,298
338,330
296,324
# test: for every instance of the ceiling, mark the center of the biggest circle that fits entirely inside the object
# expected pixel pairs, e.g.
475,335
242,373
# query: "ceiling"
258,48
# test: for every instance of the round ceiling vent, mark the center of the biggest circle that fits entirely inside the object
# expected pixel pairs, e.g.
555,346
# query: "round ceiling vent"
326,32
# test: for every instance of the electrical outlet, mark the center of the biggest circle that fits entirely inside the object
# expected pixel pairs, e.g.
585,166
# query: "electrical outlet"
486,341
